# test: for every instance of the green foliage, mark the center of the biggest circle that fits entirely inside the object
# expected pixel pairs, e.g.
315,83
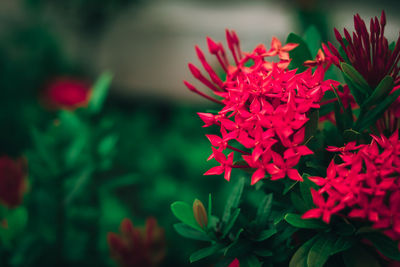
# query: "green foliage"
385,245
312,38
300,54
184,213
99,92
296,221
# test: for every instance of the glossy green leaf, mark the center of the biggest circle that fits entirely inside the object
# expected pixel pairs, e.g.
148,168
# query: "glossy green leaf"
264,210
381,91
312,37
298,202
189,232
311,125
209,213
373,115
300,54
233,200
320,251
231,222
299,258
355,77
264,235
385,245
250,261
341,244
289,185
205,252
335,91
305,187
184,213
359,257
296,221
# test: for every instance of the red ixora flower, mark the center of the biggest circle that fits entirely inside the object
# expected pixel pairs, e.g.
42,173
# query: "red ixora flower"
370,54
67,93
138,246
234,263
13,183
366,185
265,107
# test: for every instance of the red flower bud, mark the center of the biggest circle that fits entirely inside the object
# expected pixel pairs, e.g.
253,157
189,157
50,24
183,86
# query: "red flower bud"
200,213
138,246
13,182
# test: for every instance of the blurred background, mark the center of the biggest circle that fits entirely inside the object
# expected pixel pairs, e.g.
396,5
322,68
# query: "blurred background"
145,148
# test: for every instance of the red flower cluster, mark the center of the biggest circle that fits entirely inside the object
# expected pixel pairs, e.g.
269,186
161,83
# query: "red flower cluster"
369,53
234,263
139,247
265,108
67,93
13,182
367,183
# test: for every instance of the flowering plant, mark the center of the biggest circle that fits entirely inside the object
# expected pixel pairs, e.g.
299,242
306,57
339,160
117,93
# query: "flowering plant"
282,120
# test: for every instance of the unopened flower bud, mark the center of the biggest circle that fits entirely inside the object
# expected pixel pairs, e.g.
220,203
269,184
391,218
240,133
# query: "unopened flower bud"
200,213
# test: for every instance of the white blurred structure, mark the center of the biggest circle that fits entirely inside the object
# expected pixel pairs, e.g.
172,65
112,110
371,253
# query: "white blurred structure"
148,49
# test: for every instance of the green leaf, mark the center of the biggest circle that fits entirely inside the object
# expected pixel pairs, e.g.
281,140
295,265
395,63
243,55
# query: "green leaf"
305,187
299,258
338,97
184,213
359,92
16,223
385,245
298,202
356,77
300,54
121,181
263,252
289,185
189,232
263,235
359,257
79,184
296,221
233,200
320,250
311,125
373,115
341,244
351,135
107,145
238,248
44,151
263,211
205,252
99,92
250,261
231,223
383,89
312,39
209,206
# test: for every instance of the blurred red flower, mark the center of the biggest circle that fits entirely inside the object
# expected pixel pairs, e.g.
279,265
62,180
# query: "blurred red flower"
138,246
13,182
67,93
234,263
